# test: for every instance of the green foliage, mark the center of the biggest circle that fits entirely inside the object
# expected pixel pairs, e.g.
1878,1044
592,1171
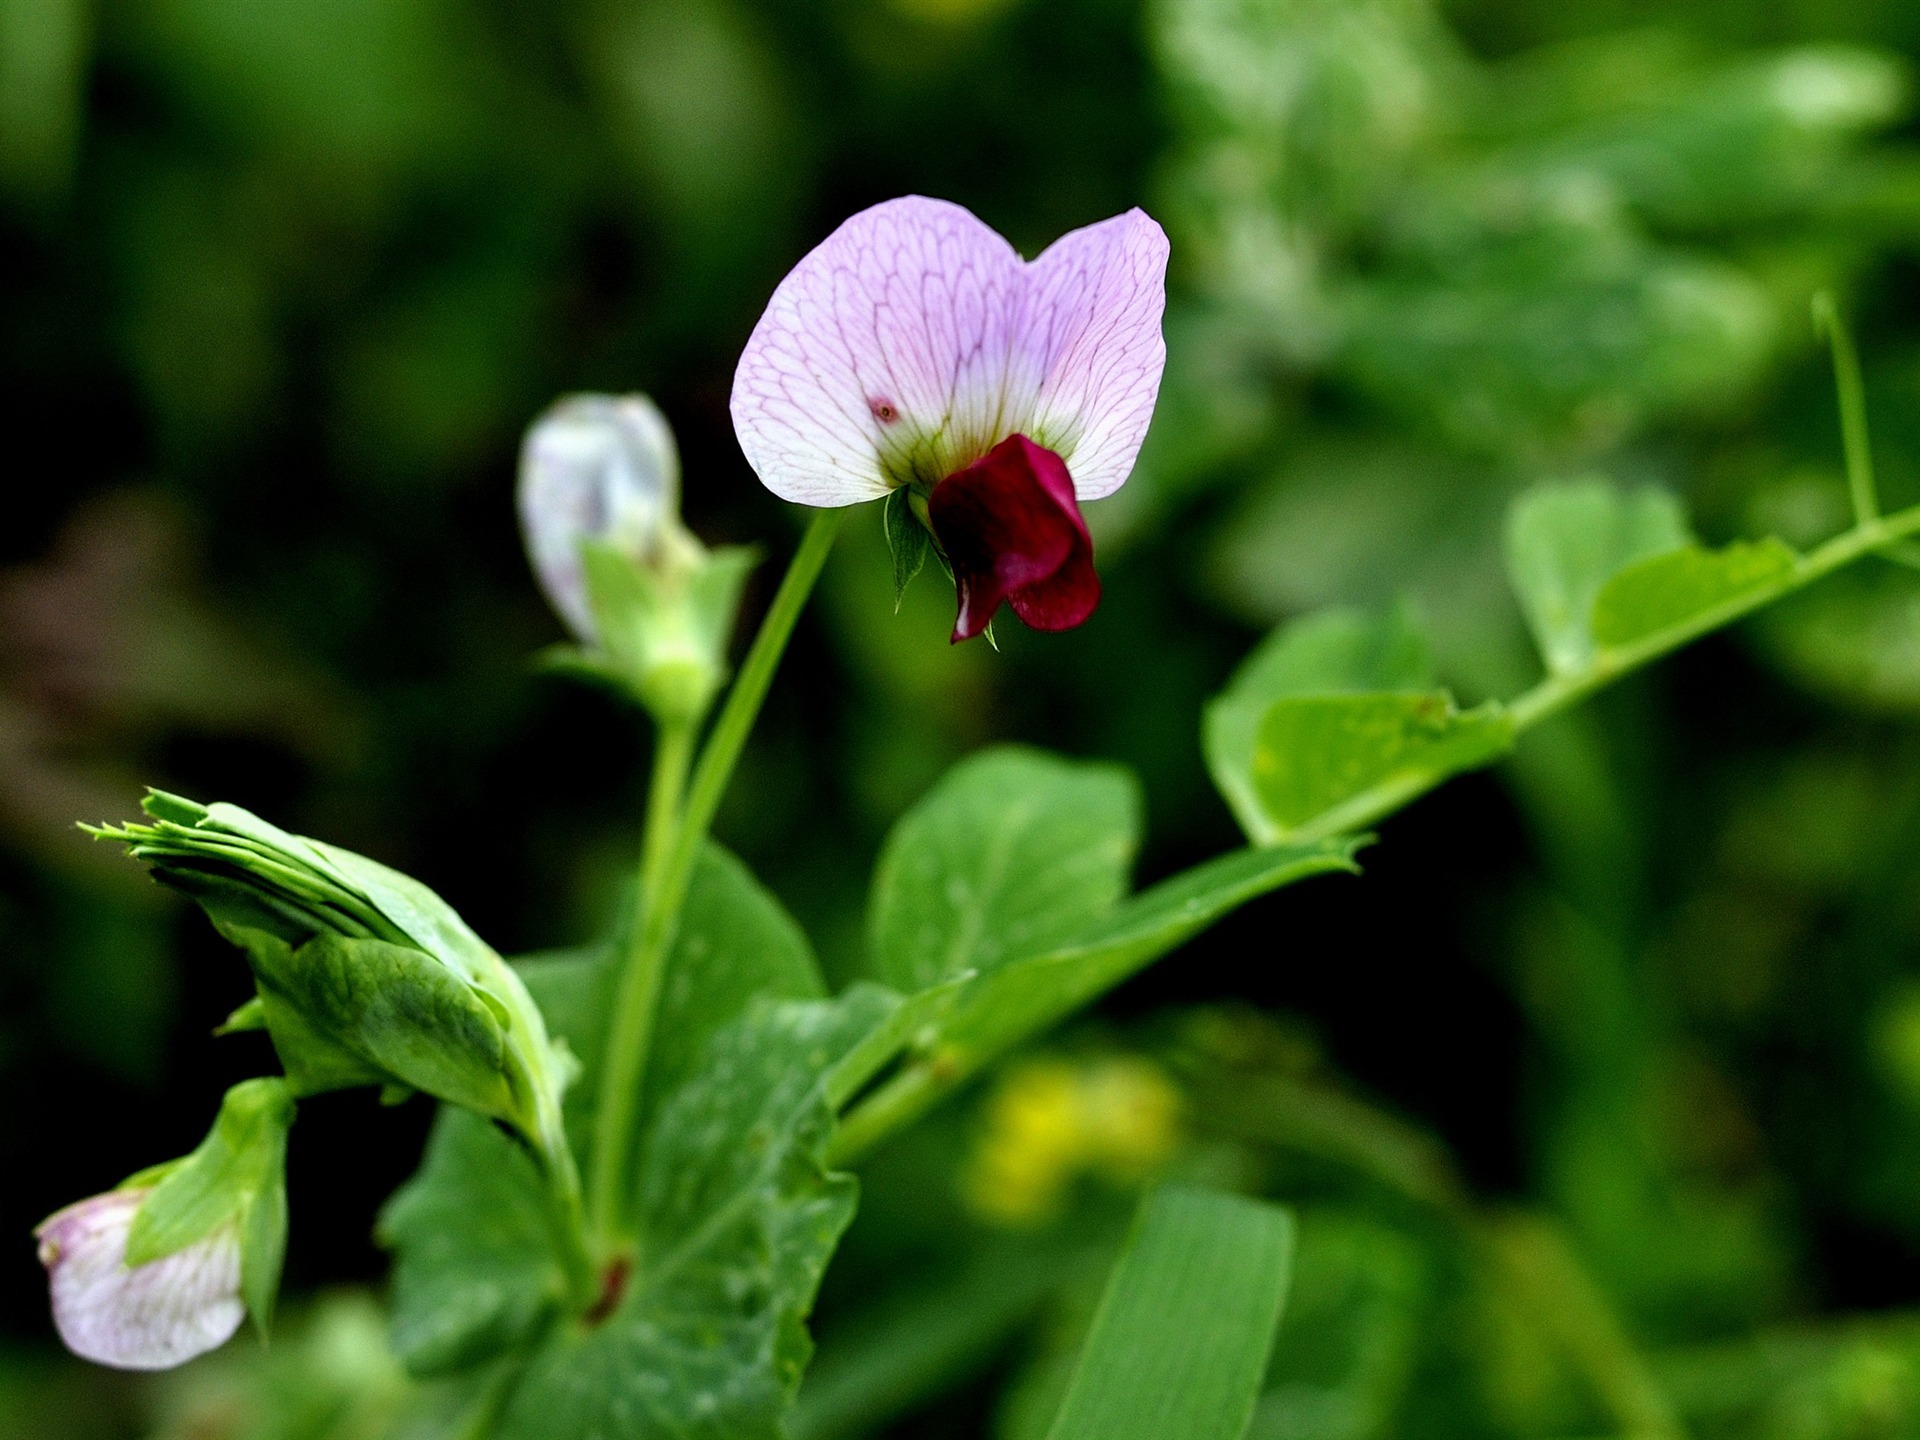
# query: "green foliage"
1334,652
907,540
664,627
1565,542
1425,259
737,1218
1686,588
1180,1342
1013,851
1318,754
365,975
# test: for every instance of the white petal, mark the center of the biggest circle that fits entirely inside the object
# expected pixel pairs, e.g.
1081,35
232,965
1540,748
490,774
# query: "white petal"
152,1317
1093,308
890,347
603,466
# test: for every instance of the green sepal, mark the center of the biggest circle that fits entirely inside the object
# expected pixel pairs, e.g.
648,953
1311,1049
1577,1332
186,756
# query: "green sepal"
235,1178
907,539
663,630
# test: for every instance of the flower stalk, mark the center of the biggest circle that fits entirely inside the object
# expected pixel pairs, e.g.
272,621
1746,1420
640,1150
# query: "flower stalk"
676,829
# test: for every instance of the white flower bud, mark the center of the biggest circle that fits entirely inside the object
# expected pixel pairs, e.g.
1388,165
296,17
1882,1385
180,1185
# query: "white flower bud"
143,1317
600,467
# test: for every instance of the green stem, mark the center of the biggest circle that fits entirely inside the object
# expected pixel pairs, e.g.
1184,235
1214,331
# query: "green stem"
1555,1288
629,1032
1853,409
675,833
898,1102
1560,692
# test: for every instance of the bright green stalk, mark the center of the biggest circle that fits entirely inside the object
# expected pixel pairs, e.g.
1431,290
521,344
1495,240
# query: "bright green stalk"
1853,409
675,833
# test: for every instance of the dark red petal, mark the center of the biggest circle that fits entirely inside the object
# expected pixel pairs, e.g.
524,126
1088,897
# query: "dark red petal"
1012,531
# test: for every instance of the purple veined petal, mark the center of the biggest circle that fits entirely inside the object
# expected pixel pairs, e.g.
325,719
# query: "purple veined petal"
600,466
1091,318
887,354
913,340
151,1317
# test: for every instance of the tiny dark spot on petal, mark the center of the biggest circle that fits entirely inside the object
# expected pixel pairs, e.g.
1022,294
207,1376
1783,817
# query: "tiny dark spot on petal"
883,410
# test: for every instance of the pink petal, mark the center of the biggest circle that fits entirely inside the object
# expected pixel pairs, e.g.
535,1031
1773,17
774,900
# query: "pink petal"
152,1317
884,352
1092,315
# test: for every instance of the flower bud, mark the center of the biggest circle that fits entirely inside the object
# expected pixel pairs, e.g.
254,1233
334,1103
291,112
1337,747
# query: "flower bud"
602,468
599,504
164,1268
364,975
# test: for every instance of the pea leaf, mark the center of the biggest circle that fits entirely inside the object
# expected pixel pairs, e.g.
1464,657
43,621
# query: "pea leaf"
1687,589
1332,652
735,941
359,966
1565,541
475,1271
1012,850
738,1216
1318,754
999,1009
1181,1338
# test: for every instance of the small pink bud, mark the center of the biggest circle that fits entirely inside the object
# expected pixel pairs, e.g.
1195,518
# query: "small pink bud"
145,1317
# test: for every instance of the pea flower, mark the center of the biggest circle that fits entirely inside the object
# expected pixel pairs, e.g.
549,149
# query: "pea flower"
914,355
165,1267
139,1317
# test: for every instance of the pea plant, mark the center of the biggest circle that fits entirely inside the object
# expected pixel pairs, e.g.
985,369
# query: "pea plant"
641,1165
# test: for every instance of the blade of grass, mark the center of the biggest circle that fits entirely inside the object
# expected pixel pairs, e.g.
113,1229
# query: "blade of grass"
1180,1342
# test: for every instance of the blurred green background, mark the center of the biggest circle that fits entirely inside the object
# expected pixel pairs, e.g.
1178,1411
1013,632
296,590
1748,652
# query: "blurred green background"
1629,1033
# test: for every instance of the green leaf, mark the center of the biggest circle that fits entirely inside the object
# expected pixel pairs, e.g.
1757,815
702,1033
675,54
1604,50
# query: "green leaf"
475,1271
1024,996
735,942
907,539
1688,589
1012,850
737,1219
1331,652
1319,755
1181,1338
1565,541
235,1177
